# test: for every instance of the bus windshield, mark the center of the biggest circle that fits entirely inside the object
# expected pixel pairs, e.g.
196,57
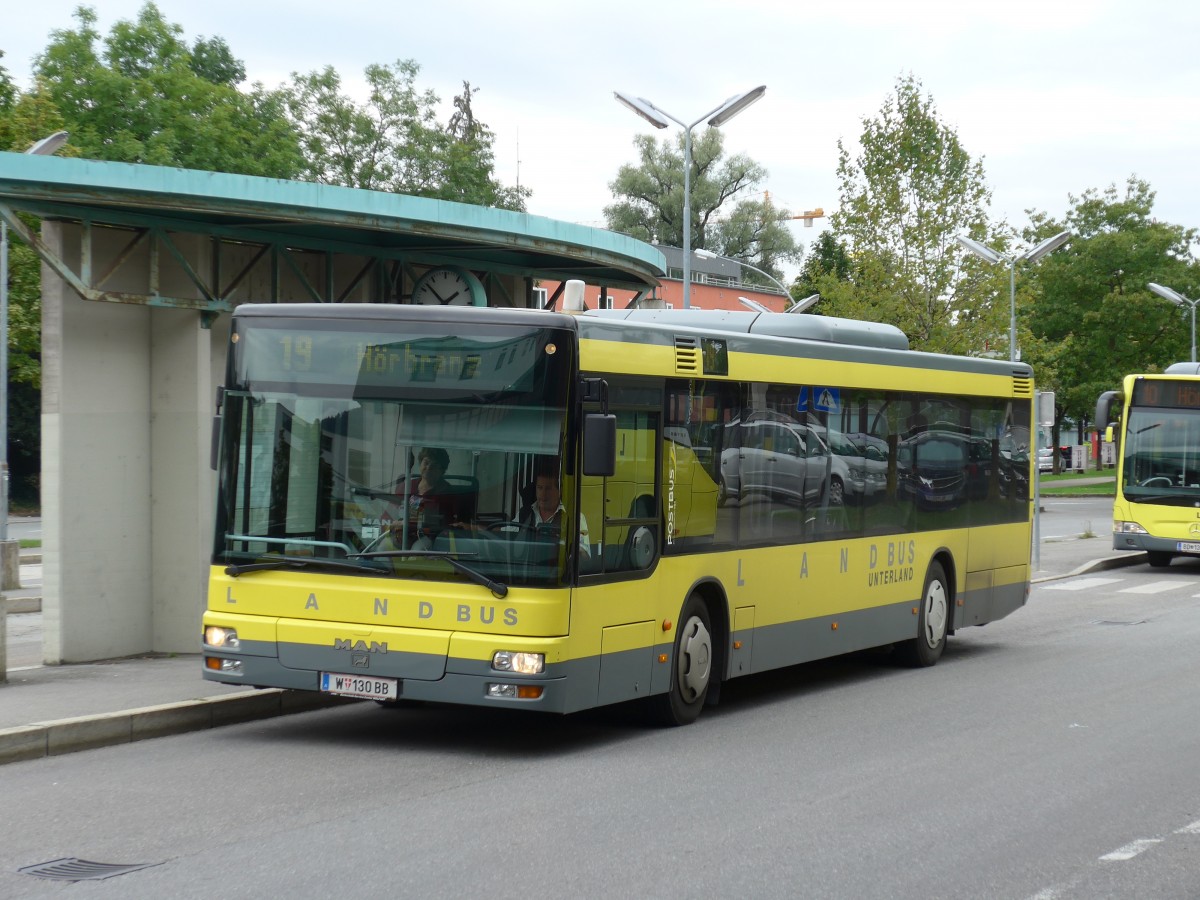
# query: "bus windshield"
1162,456
406,454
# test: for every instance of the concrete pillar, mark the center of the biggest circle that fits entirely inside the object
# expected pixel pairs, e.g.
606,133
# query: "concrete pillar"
127,493
10,565
96,534
186,362
3,638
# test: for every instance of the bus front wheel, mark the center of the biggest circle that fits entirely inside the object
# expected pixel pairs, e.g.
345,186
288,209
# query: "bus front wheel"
691,669
1158,559
933,620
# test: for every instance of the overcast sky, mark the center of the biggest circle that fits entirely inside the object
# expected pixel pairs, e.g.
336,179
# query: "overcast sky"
1055,96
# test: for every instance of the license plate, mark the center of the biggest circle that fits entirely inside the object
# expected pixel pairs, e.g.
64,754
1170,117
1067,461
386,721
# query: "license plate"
365,687
1188,547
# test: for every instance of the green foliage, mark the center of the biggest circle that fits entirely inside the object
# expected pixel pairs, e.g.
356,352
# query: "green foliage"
1095,320
8,90
142,95
724,219
911,189
826,260
394,141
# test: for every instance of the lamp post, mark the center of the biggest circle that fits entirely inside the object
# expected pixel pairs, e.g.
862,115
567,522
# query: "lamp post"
797,306
45,147
1179,300
986,253
715,118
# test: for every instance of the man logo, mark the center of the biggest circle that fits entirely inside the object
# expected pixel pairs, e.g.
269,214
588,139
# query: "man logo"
360,661
360,646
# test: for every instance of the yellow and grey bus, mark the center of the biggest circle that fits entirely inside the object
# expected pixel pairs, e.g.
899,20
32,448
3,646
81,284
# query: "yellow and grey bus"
739,492
1155,420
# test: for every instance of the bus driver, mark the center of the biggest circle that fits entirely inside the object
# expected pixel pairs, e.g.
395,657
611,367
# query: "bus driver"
547,511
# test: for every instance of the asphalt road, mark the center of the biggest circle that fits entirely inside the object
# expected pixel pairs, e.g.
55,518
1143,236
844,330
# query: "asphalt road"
1052,755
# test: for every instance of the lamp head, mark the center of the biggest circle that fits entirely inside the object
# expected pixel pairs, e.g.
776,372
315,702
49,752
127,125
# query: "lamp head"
1167,294
807,303
983,251
643,108
735,105
47,146
753,304
1049,245
706,254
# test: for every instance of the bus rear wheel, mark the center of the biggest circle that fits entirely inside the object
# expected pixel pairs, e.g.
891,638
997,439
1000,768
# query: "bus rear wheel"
933,621
691,669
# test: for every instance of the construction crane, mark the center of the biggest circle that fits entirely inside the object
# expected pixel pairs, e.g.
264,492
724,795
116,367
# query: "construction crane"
808,215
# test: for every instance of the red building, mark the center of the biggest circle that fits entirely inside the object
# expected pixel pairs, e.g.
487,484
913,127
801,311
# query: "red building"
716,284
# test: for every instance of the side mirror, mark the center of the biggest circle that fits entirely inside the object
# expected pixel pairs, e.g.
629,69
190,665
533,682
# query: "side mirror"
600,444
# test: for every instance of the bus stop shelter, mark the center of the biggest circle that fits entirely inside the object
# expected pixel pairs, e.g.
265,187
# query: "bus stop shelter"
140,267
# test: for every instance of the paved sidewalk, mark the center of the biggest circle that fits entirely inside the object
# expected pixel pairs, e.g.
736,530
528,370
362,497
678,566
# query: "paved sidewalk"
51,710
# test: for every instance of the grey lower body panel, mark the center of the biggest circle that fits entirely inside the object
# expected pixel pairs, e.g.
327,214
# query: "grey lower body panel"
1145,542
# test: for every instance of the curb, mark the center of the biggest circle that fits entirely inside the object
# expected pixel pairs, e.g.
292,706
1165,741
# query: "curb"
1097,565
24,604
61,736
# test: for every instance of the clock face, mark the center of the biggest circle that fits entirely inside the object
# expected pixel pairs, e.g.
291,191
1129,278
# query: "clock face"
448,287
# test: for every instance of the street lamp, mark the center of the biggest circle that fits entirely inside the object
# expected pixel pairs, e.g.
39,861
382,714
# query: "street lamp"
797,305
1179,300
45,147
801,305
715,118
753,304
988,254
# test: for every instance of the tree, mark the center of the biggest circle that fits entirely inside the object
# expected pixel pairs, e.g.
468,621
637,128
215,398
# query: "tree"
724,218
142,95
906,195
826,259
139,95
394,141
1095,320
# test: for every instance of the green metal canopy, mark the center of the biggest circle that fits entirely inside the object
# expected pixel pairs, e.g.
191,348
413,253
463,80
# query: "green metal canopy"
291,216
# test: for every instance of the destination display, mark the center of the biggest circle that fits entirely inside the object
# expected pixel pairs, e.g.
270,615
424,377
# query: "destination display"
503,360
1169,394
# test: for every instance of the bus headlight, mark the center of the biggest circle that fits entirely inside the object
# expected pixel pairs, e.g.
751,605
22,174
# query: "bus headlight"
1129,528
216,636
522,663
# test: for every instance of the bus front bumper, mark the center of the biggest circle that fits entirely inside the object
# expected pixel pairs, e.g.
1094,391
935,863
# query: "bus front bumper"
1149,543
461,681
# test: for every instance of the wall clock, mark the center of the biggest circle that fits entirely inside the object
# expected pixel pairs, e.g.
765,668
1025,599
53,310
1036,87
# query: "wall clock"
449,286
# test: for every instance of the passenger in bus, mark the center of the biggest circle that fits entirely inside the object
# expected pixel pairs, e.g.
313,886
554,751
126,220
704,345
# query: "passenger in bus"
432,503
546,513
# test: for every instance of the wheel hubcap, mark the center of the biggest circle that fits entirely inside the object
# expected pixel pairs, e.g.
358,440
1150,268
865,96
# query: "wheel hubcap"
695,659
936,613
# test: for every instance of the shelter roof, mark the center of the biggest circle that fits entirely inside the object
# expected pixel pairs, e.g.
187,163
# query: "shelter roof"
324,217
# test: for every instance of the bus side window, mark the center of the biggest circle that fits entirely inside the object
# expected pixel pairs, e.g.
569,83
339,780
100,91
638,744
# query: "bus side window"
629,526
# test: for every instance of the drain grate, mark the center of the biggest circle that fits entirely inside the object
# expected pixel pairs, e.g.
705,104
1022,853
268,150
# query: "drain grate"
70,868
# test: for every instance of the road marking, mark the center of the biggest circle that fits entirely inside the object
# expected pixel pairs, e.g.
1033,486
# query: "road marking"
1154,587
1130,850
1194,828
1079,584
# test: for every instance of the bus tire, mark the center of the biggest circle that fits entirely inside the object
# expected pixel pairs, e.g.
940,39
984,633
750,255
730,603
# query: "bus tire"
1158,559
933,619
691,668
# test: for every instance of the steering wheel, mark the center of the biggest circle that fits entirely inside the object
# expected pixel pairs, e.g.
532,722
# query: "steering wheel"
1158,481
513,526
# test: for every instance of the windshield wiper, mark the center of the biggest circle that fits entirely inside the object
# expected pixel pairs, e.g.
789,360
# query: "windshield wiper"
497,588
295,562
